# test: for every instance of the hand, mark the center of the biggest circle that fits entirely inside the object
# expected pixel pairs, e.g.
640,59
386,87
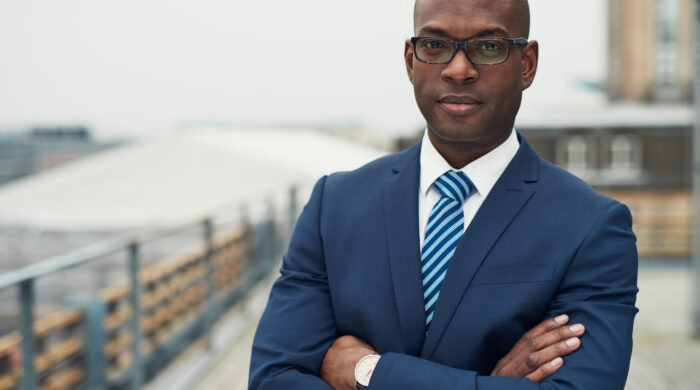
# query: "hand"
338,367
538,354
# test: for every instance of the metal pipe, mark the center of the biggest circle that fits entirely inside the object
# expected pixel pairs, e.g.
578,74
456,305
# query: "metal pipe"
135,297
61,262
94,336
271,238
89,253
696,179
293,207
211,288
26,292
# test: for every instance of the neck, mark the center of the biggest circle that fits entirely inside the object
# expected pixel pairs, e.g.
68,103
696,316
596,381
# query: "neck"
460,154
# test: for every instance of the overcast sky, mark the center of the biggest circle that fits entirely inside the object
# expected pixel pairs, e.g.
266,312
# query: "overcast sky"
135,67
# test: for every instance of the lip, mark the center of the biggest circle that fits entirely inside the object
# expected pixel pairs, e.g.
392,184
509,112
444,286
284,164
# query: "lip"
459,104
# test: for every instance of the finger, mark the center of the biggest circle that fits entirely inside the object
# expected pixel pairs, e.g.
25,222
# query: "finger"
549,324
546,370
559,349
543,327
555,343
554,336
533,361
523,359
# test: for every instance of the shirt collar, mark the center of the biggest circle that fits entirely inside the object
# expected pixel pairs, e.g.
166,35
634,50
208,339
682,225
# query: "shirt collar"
483,172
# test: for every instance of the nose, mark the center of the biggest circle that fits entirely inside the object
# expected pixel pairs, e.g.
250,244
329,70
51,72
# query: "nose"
460,70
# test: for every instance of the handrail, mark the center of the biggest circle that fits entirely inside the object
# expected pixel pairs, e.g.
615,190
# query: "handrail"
91,252
61,262
173,288
25,280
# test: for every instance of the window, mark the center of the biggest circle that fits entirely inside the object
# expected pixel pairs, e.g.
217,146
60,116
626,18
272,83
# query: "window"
667,20
624,159
577,154
621,153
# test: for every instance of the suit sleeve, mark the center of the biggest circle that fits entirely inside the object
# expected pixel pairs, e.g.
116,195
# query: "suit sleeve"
598,290
298,325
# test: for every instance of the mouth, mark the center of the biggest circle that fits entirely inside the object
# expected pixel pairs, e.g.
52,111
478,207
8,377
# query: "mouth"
459,104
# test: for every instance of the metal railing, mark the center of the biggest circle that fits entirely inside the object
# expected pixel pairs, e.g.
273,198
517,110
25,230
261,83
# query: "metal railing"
132,329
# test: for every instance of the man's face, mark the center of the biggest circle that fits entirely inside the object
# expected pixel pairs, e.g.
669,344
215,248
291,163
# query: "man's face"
463,102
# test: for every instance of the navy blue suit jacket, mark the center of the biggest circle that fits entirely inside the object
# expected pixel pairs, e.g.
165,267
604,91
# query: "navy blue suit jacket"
543,243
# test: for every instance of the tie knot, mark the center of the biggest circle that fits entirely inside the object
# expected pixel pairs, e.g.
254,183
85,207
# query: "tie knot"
454,185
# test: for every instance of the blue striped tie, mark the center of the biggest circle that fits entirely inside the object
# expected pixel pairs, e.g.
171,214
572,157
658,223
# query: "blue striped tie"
444,229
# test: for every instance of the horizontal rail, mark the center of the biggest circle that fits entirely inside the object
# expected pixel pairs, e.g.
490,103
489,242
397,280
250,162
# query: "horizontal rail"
61,262
89,253
126,333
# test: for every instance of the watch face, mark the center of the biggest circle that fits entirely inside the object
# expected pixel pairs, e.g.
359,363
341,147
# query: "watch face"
364,369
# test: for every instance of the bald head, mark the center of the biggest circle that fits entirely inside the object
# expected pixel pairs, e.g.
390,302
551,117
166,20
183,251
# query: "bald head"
519,7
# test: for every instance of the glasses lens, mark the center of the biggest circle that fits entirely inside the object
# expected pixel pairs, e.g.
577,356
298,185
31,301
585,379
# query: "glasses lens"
434,49
487,51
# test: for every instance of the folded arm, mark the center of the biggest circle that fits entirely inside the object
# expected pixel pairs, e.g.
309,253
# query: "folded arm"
536,356
599,291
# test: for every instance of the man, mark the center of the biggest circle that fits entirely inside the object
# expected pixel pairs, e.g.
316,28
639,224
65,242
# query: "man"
426,269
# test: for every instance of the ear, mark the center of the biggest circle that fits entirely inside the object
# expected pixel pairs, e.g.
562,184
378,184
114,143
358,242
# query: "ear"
408,57
530,56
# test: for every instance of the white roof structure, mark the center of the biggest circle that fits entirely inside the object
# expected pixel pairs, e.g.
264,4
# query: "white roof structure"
174,179
606,115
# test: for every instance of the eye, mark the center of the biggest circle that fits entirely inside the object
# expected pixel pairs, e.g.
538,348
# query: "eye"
434,44
489,46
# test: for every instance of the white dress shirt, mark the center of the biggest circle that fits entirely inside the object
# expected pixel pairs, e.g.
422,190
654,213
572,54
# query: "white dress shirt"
483,172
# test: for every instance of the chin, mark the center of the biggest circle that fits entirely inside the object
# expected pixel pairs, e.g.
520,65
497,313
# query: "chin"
457,133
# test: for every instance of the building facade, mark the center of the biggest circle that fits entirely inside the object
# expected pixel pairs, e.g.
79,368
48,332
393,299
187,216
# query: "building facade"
650,56
27,152
643,164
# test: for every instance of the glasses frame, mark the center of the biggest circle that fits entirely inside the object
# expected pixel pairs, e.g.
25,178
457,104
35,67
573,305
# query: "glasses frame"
463,45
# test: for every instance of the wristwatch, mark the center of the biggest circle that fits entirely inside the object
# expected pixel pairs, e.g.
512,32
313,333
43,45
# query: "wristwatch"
364,369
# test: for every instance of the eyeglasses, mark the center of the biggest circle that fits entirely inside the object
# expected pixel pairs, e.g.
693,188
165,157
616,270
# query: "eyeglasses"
480,51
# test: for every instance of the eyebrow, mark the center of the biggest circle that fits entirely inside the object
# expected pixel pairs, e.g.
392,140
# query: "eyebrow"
432,30
491,31
480,34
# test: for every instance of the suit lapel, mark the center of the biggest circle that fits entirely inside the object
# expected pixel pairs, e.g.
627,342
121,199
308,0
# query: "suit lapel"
401,226
503,203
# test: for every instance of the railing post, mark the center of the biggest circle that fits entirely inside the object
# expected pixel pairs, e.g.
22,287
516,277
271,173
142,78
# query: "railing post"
293,206
244,215
137,366
211,288
94,312
26,293
271,231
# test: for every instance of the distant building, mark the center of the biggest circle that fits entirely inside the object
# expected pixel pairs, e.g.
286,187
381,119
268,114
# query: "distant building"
650,50
639,148
638,154
41,148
